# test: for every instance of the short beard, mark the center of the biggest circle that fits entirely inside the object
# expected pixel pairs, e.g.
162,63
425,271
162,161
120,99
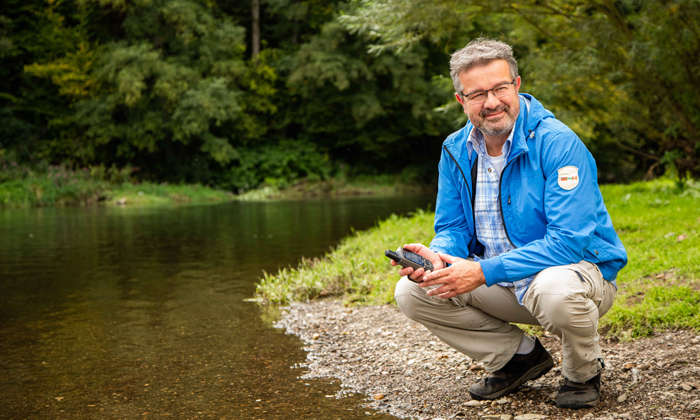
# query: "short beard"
504,126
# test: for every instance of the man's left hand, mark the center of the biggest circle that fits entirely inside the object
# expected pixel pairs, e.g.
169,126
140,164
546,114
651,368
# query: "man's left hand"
462,276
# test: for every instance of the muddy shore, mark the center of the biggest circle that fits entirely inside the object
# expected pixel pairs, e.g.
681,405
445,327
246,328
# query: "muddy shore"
407,372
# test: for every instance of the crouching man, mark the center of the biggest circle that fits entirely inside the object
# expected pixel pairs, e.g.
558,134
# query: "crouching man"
522,236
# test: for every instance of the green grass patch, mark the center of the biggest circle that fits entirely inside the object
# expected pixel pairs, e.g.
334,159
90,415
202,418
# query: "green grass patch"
356,269
149,193
658,222
380,185
21,187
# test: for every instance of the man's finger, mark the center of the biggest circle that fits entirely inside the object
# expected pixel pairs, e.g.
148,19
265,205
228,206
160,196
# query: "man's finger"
437,275
448,258
439,291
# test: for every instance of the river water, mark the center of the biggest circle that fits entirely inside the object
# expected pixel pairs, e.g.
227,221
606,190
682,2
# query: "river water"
131,313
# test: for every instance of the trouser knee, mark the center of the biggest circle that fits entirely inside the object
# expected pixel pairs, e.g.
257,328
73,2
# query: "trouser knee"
565,310
406,295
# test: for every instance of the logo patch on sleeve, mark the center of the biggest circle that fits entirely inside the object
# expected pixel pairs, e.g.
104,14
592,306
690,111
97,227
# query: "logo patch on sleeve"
568,177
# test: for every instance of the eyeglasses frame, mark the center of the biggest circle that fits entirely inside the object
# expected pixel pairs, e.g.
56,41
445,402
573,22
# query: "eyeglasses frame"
465,97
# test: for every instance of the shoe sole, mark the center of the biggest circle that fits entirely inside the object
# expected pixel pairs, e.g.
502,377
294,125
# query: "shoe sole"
579,406
532,374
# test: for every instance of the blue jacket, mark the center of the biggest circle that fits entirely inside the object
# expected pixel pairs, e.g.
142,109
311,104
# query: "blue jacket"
547,224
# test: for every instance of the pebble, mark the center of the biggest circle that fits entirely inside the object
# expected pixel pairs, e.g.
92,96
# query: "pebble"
316,336
622,398
531,416
686,387
378,397
415,366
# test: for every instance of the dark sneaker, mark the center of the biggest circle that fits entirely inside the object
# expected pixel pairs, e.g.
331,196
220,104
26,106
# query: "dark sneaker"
520,369
576,395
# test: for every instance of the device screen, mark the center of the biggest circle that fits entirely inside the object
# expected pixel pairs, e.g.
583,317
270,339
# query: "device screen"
411,256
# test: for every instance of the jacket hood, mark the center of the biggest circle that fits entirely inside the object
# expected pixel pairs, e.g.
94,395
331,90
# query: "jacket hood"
531,114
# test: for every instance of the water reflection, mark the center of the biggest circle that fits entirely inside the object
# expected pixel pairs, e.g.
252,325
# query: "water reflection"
138,312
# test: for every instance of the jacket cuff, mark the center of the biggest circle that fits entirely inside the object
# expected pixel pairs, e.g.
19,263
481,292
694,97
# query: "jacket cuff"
494,270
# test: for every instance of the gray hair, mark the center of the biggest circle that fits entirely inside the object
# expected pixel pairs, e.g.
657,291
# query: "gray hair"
479,52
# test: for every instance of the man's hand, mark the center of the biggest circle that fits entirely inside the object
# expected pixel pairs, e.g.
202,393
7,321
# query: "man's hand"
462,276
424,252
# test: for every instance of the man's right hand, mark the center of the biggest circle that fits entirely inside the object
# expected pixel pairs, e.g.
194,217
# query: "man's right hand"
425,252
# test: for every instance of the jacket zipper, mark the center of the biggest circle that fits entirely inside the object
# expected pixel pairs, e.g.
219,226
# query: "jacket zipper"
468,189
500,203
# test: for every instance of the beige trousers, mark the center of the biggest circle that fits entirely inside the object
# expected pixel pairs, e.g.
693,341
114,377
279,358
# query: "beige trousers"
566,301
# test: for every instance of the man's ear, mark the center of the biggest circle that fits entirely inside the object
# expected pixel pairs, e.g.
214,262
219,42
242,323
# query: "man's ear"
517,85
461,101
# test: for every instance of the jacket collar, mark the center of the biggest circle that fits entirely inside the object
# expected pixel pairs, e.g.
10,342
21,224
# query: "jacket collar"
531,114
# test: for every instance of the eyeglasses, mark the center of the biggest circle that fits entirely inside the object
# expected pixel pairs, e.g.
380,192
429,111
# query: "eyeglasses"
498,91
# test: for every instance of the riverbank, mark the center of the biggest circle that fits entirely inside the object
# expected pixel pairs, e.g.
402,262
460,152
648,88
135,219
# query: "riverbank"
649,337
658,289
59,186
383,185
23,187
403,370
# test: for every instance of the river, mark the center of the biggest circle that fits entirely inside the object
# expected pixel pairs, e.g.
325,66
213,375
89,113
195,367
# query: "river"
139,312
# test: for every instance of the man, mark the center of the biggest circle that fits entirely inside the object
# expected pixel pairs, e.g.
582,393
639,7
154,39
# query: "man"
522,236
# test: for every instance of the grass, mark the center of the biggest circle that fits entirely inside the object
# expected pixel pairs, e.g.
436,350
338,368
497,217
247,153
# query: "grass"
364,185
59,186
22,187
149,193
658,222
356,269
660,227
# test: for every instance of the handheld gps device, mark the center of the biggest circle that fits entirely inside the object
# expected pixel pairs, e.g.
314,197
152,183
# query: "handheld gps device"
406,258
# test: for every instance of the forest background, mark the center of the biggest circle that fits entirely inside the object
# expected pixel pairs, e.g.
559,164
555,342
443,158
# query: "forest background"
237,94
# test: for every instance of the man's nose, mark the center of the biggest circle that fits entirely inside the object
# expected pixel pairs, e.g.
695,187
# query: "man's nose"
491,100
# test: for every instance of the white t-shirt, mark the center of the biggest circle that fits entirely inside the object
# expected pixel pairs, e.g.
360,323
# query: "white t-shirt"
498,163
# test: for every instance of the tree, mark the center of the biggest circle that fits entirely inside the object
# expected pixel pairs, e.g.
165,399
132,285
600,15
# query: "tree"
168,87
626,71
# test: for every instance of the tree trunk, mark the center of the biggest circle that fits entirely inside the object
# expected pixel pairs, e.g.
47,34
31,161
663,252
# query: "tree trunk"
256,27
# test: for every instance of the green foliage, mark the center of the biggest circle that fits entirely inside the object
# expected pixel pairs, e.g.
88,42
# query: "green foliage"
658,289
170,87
278,166
622,74
176,76
21,186
374,111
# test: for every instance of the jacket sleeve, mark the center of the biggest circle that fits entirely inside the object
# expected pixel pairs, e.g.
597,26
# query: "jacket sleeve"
570,215
452,225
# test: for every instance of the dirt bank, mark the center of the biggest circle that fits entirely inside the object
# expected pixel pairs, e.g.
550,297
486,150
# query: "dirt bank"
406,371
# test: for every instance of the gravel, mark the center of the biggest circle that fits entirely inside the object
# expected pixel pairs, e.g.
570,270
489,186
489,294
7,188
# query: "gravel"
407,372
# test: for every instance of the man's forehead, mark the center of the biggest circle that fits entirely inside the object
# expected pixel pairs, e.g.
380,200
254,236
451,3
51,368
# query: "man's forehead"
497,67
485,77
